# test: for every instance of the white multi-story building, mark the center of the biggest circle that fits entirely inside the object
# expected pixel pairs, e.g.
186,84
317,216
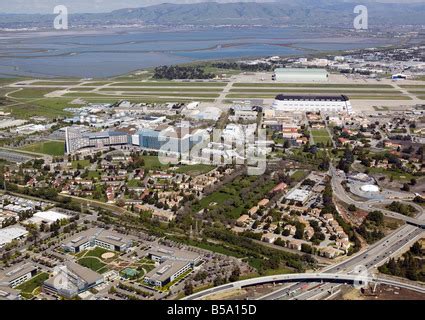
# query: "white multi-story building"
18,275
313,103
98,238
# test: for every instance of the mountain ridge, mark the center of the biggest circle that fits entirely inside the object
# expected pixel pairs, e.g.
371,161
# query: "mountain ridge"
302,12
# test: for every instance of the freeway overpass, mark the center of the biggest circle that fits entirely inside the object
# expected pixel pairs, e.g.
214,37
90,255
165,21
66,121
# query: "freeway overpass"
305,277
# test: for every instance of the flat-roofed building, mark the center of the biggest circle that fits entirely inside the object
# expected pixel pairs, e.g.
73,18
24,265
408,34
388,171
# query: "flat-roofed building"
17,275
312,103
167,272
71,279
46,217
7,293
75,140
172,264
9,234
161,254
112,241
298,195
97,237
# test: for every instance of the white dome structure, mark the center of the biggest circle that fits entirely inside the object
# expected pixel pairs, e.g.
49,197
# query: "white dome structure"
369,188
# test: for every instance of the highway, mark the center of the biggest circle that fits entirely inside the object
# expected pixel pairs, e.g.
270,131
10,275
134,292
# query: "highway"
370,205
368,259
375,255
305,277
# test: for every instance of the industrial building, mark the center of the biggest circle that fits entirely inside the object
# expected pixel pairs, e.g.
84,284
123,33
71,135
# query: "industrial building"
300,75
98,238
9,234
312,103
46,217
72,279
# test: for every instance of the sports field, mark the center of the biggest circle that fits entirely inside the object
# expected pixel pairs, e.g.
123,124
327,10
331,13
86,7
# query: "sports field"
52,148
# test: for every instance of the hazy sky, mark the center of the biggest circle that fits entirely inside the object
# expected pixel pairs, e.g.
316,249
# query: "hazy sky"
46,6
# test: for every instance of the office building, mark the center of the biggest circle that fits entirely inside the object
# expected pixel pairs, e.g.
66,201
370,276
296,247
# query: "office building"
92,238
172,264
71,279
167,272
167,139
17,275
74,140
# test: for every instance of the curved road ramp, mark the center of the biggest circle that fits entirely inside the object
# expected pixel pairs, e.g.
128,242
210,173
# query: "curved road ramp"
356,279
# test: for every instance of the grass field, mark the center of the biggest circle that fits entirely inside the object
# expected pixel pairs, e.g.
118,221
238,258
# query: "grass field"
412,86
422,92
230,196
196,169
48,107
353,97
298,175
328,91
113,99
152,162
320,136
160,90
32,93
32,284
313,85
94,174
97,252
82,163
56,83
52,148
377,97
401,176
170,84
92,263
119,94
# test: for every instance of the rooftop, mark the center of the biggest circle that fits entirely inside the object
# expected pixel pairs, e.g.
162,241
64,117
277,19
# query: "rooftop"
301,71
11,233
309,97
165,270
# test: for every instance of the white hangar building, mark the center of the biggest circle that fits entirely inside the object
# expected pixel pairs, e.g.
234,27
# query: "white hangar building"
300,75
312,103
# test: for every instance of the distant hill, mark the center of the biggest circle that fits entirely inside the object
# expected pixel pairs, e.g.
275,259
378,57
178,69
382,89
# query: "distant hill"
291,12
